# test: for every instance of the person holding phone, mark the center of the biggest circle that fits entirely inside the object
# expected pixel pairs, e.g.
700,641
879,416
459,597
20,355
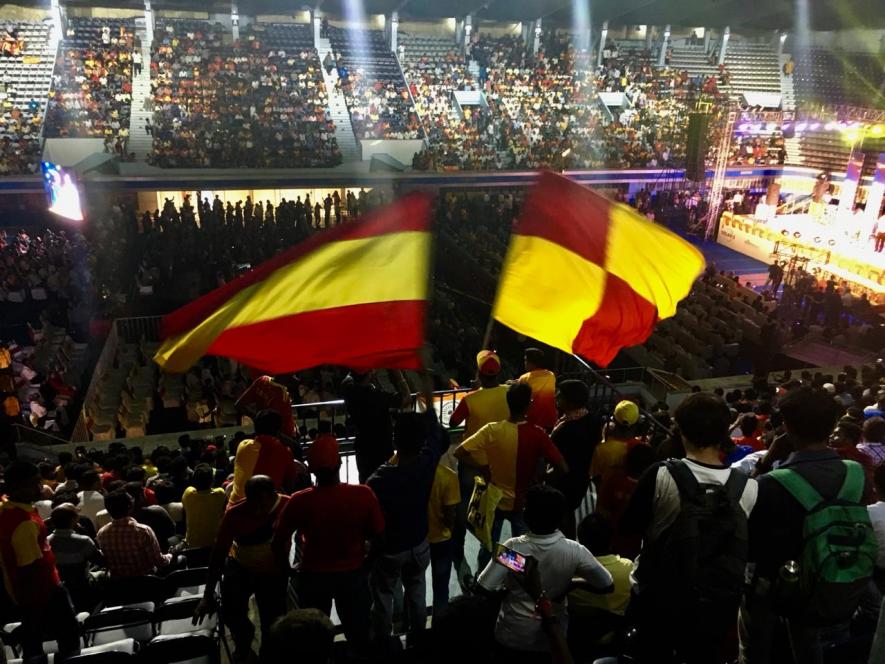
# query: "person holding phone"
520,632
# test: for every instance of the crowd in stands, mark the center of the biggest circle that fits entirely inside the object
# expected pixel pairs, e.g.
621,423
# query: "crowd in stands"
639,533
372,83
258,103
92,85
25,70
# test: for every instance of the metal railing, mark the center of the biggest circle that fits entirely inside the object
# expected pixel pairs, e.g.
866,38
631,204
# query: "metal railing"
25,434
80,433
133,330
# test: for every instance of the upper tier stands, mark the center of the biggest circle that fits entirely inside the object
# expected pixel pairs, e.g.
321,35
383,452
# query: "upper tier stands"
26,61
458,137
373,86
830,78
258,103
92,83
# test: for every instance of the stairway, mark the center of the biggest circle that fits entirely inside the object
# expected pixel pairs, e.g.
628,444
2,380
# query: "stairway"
692,59
140,141
788,95
338,109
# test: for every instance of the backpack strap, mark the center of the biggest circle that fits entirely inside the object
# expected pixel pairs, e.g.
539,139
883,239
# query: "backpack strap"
798,487
735,485
686,482
853,484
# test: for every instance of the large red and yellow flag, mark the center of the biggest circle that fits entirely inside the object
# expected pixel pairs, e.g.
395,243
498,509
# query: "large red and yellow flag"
355,295
589,276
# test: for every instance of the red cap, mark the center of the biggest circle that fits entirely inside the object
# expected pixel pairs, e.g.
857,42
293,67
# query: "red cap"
488,362
323,453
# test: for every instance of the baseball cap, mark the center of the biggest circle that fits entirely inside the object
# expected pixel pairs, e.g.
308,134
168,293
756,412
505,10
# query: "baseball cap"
323,453
626,413
488,362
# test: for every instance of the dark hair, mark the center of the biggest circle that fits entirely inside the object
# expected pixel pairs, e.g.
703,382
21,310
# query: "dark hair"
703,420
465,624
409,432
135,474
65,497
638,459
748,424
88,478
268,423
64,519
47,470
165,491
874,430
595,532
544,509
809,414
519,398
64,458
118,504
19,472
850,430
203,477
575,392
535,356
324,426
311,629
258,485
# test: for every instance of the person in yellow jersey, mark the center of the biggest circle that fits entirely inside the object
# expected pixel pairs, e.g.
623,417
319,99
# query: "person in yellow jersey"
610,457
542,412
442,508
476,409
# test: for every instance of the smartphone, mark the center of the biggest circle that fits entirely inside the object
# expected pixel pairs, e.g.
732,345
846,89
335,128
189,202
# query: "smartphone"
511,559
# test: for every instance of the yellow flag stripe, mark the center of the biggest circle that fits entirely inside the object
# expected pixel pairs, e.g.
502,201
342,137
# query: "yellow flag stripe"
547,291
657,264
375,269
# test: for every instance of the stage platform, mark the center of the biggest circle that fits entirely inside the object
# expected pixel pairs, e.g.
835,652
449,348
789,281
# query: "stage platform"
827,247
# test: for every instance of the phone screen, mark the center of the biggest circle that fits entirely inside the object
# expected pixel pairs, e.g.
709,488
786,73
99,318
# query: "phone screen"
510,559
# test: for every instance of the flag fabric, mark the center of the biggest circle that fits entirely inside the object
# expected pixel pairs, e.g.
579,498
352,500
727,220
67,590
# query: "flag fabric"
590,276
355,295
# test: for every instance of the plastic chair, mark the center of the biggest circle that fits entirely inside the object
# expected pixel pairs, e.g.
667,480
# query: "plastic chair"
187,582
175,616
119,623
194,648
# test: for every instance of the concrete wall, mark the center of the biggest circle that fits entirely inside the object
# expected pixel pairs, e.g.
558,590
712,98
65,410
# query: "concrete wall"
105,12
400,150
18,13
442,28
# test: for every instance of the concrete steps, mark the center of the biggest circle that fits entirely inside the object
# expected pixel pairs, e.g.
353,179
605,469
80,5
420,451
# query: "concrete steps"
344,135
140,142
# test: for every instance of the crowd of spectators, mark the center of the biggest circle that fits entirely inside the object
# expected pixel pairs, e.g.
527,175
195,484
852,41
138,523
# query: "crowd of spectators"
25,70
92,85
596,548
373,87
259,102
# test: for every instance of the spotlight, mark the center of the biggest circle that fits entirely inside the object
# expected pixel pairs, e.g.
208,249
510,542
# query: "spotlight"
877,130
815,126
802,126
830,126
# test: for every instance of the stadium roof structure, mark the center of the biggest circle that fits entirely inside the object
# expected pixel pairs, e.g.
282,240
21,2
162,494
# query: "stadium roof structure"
749,14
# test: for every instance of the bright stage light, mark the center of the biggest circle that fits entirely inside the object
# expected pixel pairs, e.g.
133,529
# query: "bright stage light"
814,126
64,197
830,126
876,130
802,126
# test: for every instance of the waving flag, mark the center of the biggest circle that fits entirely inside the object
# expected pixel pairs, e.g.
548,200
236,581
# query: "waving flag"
355,295
589,276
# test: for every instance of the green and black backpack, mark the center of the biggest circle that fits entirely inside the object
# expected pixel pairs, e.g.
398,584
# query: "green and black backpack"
838,548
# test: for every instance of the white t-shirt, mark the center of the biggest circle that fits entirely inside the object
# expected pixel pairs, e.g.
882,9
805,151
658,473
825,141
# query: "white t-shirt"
91,503
877,517
559,560
667,503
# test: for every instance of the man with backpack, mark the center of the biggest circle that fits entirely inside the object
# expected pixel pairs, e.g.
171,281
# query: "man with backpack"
692,515
812,548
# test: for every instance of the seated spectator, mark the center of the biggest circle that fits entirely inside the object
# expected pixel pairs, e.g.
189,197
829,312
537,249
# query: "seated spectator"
594,617
74,553
517,631
130,548
310,629
203,506
873,444
152,516
877,518
844,440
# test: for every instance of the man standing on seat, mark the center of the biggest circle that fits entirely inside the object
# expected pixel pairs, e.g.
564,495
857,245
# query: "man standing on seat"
403,489
511,452
242,559
542,412
265,454
476,409
28,565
